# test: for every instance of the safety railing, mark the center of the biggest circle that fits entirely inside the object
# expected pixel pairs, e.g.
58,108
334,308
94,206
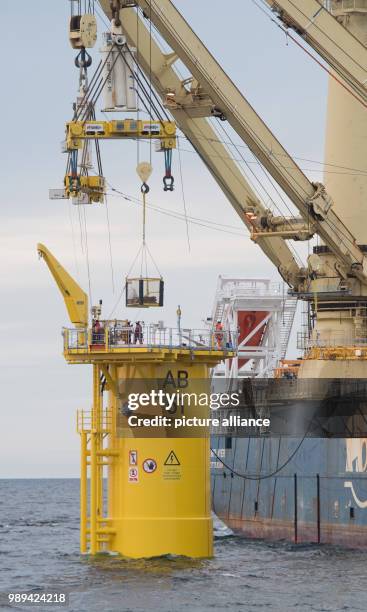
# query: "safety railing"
337,341
248,288
86,421
113,335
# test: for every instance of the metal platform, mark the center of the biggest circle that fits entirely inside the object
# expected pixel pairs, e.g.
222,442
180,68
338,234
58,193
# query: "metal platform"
118,343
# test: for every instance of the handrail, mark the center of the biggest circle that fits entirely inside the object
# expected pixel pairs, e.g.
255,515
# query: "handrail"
115,334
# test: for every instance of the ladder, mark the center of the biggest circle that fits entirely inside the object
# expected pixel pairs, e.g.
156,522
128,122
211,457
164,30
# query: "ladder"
288,314
93,427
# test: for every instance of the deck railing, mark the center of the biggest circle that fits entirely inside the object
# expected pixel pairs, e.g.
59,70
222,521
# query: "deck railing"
113,335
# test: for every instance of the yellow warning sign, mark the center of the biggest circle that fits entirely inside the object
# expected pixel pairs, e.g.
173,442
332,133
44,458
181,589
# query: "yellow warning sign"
172,459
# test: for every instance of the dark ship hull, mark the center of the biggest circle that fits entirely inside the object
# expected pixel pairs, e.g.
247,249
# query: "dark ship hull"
306,479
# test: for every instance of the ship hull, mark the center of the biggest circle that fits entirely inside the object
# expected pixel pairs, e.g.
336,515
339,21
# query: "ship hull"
319,496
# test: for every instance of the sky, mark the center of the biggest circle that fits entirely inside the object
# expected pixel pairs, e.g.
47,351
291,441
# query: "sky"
41,393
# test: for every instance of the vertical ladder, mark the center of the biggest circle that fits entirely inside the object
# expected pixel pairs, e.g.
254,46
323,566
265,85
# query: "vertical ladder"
93,427
288,314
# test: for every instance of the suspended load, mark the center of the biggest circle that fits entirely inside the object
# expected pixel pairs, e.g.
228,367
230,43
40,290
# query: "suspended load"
118,73
144,292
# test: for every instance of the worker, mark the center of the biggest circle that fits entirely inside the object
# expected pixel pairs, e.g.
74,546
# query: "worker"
138,333
219,334
96,331
129,330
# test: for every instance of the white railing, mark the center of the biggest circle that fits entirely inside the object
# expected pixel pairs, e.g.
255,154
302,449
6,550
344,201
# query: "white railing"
113,335
342,341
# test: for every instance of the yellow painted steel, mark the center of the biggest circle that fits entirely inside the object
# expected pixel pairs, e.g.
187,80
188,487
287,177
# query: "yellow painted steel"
168,510
78,131
92,185
76,300
163,511
149,512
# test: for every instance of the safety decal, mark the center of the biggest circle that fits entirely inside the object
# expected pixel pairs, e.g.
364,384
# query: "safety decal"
149,466
133,457
133,474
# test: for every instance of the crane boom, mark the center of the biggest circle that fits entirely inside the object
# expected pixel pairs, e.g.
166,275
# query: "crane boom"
219,96
331,40
76,300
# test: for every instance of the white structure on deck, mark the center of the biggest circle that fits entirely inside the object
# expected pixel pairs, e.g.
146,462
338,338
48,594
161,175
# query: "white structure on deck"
262,313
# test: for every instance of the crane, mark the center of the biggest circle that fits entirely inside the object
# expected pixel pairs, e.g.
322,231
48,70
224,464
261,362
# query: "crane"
76,300
210,92
139,524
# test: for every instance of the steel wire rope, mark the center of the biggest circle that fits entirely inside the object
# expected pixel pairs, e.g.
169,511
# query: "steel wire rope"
150,78
219,180
262,144
183,195
73,238
109,242
291,181
332,63
232,143
137,85
125,285
259,142
246,146
258,163
330,223
87,256
181,217
288,221
264,476
81,231
242,145
325,33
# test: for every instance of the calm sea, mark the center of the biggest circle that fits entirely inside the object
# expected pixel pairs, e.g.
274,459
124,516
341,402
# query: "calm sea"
39,551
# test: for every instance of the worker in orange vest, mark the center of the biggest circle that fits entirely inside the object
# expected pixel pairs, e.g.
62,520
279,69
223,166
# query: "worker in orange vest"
219,334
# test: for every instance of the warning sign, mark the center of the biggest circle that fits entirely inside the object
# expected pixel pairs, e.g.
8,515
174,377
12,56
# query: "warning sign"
149,466
172,459
133,457
133,474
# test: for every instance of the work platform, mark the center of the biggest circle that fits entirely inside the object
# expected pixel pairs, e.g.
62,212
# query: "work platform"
139,503
116,342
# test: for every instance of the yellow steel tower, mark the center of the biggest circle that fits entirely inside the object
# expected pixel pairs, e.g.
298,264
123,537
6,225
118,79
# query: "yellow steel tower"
157,499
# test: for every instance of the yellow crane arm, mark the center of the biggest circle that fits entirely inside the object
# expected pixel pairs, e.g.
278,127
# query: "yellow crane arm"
76,300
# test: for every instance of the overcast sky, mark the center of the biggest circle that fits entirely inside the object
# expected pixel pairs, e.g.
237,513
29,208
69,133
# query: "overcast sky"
39,81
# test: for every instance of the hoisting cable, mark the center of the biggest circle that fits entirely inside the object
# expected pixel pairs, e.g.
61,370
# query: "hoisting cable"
329,72
183,195
168,179
109,243
264,476
193,220
124,286
87,256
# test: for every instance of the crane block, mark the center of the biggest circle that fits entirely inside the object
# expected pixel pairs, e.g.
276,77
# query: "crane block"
92,186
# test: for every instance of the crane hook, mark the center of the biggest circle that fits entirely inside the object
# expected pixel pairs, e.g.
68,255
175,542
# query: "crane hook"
83,59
